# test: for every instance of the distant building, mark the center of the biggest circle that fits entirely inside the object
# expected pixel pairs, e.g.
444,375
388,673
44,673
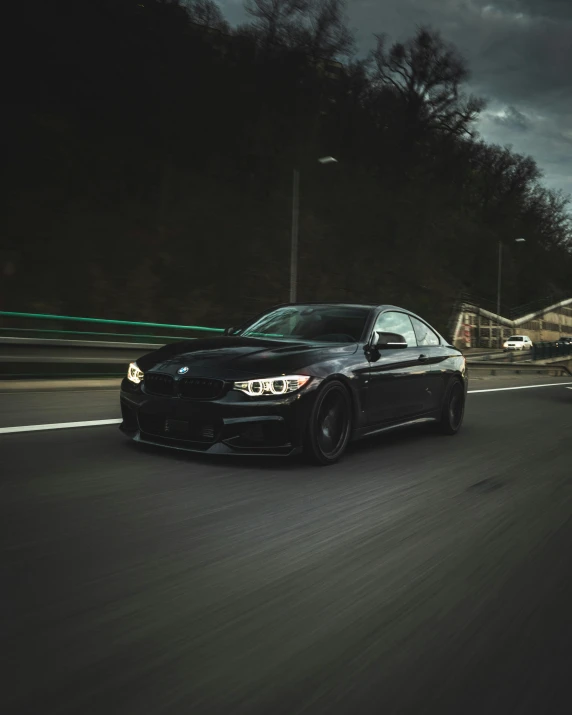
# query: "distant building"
482,326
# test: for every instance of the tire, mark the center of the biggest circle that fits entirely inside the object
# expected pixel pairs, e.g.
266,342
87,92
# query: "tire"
329,424
453,408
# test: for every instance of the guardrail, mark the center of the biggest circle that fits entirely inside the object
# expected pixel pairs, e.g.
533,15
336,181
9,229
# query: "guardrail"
524,368
45,325
526,362
42,345
33,358
501,356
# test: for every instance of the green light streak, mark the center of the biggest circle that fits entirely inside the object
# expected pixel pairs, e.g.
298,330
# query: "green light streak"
107,321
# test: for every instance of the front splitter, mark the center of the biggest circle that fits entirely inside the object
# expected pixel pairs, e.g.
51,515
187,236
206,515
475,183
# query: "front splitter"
217,448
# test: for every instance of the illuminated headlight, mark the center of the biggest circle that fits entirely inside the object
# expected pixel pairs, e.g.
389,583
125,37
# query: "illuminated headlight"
134,373
272,385
505,345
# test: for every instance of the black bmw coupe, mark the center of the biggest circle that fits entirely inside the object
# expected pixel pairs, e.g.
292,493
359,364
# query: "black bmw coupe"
299,378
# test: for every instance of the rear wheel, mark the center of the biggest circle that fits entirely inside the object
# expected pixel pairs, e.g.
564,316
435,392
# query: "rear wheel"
329,425
453,408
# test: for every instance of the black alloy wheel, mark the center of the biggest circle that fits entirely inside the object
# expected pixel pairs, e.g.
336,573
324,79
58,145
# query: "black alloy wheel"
329,426
453,408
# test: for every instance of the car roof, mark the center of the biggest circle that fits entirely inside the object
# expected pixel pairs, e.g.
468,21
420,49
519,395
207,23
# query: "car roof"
344,304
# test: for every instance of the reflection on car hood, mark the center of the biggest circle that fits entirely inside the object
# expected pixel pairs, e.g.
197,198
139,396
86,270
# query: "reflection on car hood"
233,356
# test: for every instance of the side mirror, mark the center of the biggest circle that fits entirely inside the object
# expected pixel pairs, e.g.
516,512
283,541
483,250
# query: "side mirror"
390,341
228,331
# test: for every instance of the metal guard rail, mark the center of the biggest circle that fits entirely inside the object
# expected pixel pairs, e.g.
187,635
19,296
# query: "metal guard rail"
43,318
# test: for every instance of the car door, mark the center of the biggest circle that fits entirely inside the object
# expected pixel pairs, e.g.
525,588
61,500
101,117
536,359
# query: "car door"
433,355
397,378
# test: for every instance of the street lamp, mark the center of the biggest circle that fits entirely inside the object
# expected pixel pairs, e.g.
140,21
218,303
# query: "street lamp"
516,240
295,226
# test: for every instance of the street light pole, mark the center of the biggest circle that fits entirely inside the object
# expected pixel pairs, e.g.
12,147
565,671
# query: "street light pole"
295,226
499,296
516,240
294,238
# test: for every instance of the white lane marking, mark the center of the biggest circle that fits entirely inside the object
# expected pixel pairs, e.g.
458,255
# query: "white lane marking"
59,425
63,389
522,387
97,423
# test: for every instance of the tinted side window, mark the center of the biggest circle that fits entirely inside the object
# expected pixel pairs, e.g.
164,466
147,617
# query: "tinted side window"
396,323
424,334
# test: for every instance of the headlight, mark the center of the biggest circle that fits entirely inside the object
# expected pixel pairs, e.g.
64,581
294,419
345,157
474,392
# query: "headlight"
272,385
134,373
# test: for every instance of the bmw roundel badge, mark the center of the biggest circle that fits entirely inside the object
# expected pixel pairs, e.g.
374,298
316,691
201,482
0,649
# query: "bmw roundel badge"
183,370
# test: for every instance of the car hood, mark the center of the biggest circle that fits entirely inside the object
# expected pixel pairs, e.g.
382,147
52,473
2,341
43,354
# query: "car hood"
235,357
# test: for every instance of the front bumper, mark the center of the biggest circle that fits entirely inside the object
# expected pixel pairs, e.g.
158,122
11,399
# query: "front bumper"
233,424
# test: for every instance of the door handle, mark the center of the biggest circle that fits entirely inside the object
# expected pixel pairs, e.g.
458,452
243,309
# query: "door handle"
424,358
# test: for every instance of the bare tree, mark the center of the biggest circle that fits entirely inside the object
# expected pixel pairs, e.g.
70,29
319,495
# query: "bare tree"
427,73
325,33
549,210
207,13
275,19
503,174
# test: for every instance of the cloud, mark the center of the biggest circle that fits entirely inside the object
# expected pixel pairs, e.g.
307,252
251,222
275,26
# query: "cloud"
547,137
519,52
511,118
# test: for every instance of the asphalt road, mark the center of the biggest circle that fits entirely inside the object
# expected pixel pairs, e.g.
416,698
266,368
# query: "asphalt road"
422,574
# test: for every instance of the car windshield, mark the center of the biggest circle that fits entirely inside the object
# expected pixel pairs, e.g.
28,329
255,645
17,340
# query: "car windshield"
516,337
318,323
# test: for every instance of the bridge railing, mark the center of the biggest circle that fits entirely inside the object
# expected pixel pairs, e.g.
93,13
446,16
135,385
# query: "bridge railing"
551,351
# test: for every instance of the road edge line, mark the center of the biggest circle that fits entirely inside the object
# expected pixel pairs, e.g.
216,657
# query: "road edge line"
58,425
520,387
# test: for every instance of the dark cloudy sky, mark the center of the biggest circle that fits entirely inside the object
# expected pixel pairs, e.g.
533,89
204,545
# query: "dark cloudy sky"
520,55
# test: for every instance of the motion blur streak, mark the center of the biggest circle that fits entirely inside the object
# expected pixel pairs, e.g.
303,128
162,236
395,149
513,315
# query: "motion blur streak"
420,574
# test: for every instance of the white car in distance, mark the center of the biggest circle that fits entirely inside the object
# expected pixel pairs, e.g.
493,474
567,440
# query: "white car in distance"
518,342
